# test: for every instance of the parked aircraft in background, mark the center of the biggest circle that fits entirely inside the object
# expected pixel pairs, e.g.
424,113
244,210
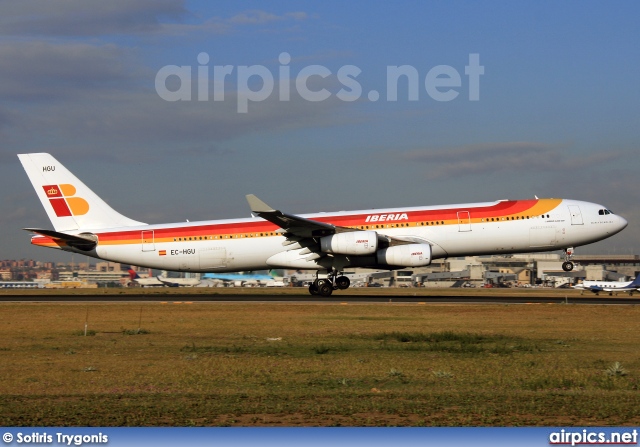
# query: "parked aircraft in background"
359,278
326,242
610,286
162,280
244,279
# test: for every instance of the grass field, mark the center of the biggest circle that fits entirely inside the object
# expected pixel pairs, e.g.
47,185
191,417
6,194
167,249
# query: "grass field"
219,364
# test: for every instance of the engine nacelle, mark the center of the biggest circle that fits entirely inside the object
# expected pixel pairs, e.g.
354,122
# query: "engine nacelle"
351,243
410,255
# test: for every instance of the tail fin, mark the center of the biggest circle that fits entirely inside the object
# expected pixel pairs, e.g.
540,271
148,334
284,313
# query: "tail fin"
133,274
636,282
69,203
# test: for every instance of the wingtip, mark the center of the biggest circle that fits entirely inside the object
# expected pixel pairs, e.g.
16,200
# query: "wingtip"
257,205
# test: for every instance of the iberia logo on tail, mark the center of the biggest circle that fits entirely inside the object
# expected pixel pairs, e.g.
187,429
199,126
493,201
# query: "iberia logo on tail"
63,202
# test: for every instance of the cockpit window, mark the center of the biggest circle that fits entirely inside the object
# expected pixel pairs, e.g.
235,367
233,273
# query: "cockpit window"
604,212
601,212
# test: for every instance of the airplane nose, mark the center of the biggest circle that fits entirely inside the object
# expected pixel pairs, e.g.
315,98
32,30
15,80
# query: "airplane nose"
622,222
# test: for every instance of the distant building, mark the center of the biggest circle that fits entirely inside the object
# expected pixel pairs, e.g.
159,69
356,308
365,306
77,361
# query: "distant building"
92,276
108,267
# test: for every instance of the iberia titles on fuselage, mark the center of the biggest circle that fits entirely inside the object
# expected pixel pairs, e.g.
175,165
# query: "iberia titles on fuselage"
326,242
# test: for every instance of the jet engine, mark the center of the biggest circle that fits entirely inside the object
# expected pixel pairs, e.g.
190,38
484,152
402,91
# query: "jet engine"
350,243
410,255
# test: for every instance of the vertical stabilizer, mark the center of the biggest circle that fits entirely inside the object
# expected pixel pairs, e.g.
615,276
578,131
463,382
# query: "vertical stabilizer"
133,275
69,203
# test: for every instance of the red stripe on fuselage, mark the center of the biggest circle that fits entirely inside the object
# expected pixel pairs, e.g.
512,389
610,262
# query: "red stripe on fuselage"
252,228
498,210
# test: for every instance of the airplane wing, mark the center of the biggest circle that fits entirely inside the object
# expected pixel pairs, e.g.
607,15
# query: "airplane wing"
301,228
292,224
178,282
167,282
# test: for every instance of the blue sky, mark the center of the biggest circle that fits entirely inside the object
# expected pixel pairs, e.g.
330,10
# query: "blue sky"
557,115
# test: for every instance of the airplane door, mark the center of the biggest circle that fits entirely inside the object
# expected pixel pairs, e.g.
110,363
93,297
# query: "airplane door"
148,242
464,221
576,215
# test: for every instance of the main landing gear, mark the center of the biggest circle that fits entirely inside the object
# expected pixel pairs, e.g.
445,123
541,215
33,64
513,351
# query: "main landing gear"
326,286
567,265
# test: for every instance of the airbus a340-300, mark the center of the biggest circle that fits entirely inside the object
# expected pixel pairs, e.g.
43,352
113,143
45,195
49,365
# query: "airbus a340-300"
325,242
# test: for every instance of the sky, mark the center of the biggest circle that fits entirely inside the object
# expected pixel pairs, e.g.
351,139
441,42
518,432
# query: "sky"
173,110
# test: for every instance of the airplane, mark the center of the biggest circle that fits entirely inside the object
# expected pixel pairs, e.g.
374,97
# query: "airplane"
610,286
162,280
328,243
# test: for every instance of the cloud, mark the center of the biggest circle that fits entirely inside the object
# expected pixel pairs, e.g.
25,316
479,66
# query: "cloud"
41,70
499,157
88,17
137,123
617,188
85,18
222,25
258,17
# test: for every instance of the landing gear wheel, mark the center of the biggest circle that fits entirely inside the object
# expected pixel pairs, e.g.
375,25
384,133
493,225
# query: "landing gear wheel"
313,290
325,288
342,282
567,266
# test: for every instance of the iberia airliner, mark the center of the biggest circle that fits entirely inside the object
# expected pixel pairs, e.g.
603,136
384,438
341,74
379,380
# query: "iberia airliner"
326,242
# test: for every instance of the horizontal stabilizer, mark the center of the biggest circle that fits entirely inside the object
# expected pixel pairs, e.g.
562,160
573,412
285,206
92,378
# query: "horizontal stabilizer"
85,241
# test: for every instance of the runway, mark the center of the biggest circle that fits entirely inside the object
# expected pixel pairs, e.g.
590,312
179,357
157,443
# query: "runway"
303,298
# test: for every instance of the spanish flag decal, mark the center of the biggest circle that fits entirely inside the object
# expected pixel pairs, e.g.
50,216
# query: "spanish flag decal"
162,253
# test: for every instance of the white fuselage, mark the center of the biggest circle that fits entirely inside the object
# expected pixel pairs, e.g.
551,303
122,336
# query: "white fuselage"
451,230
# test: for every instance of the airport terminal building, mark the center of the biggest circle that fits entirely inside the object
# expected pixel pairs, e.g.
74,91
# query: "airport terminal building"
521,270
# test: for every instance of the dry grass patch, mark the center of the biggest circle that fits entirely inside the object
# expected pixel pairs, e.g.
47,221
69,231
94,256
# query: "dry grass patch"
293,364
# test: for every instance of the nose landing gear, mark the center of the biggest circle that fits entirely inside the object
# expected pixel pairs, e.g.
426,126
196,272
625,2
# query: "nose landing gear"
568,265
